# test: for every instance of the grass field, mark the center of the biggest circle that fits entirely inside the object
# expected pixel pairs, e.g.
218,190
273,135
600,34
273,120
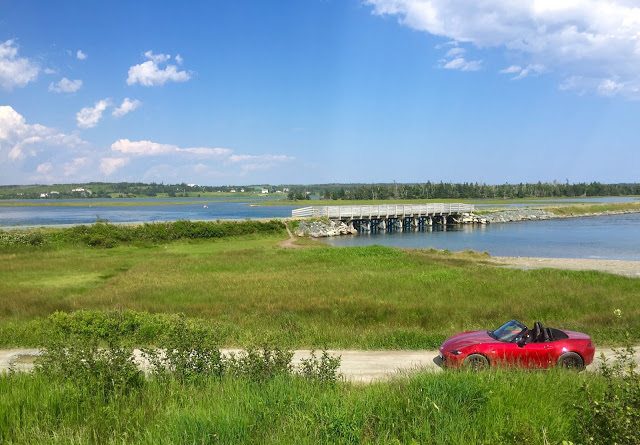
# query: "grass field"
250,290
586,209
454,408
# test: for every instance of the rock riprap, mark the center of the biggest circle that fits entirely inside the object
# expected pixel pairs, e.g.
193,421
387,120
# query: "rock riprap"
321,229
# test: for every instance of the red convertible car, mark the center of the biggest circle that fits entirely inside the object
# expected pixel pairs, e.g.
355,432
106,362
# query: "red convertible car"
513,344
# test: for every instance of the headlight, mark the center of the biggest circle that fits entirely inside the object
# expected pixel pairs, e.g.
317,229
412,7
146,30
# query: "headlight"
456,352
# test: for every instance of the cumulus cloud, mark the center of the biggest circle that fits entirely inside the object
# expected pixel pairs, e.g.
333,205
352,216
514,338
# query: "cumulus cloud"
586,42
15,71
149,148
72,167
65,86
157,71
18,139
88,117
109,166
184,158
80,55
127,106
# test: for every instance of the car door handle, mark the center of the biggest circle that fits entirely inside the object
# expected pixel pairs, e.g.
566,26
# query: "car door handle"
548,347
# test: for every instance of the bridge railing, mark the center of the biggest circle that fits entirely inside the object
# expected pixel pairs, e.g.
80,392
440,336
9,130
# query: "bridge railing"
385,210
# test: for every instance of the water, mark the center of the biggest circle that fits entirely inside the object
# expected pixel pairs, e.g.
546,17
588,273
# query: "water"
607,237
604,237
201,209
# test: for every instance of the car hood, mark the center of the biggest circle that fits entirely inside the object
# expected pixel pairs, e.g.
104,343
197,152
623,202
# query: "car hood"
465,339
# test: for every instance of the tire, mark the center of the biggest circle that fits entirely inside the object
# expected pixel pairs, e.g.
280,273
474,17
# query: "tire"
572,361
476,362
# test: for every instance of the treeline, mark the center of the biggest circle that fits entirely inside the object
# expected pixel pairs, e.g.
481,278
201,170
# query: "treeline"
119,189
468,190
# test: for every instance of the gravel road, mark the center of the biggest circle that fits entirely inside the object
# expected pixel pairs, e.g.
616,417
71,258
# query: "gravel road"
356,366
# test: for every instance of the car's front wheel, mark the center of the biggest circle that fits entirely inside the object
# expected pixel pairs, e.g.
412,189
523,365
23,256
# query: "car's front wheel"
476,362
571,360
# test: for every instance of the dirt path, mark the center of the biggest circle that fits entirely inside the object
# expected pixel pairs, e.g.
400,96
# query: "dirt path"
619,267
356,366
289,243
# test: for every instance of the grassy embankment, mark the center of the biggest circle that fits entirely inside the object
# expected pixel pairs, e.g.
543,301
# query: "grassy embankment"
250,290
453,408
594,209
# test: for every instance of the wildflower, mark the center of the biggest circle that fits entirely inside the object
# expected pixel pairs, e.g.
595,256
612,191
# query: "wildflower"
617,313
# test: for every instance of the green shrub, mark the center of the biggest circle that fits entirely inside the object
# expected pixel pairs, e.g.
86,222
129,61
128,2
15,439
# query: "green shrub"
185,352
260,364
613,415
322,369
79,356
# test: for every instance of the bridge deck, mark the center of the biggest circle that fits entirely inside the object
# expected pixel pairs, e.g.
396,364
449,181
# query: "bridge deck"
382,211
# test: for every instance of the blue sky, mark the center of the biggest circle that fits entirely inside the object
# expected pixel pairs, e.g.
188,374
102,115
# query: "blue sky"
310,91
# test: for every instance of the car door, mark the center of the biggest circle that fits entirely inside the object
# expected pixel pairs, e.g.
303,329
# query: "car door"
531,355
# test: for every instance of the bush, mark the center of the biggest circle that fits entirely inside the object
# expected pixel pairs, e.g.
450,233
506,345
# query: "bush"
322,369
185,352
96,349
78,355
260,364
20,238
613,416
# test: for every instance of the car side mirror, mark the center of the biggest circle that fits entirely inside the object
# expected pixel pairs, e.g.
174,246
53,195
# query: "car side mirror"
521,342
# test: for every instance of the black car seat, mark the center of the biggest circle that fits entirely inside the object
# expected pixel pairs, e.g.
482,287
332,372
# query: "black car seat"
538,334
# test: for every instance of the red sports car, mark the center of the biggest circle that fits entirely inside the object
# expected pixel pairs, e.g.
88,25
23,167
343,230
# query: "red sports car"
513,344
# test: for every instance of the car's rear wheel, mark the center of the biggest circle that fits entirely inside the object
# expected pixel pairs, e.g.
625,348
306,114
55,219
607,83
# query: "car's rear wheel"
571,360
476,362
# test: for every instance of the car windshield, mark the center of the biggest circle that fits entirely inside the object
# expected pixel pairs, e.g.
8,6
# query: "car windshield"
508,331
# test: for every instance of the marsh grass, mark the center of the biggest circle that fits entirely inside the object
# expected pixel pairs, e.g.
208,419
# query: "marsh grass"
248,290
586,209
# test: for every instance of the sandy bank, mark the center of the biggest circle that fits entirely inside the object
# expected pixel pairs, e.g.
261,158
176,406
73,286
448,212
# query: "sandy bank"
619,267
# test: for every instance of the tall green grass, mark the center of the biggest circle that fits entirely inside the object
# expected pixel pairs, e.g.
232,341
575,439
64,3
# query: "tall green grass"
454,408
250,290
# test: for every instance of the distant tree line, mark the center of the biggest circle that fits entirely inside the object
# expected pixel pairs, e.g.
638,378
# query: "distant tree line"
468,190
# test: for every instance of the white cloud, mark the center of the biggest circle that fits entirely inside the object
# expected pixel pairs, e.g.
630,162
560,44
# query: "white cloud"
150,73
81,55
65,86
127,106
75,165
89,117
522,72
15,71
455,59
19,139
108,166
224,156
149,148
595,40
44,168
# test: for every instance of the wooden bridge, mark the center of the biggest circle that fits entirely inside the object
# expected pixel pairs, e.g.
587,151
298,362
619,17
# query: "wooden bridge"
390,217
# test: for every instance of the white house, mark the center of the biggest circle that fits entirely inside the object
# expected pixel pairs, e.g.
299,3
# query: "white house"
264,191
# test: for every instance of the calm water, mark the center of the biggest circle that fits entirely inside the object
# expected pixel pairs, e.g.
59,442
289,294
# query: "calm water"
94,210
607,237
